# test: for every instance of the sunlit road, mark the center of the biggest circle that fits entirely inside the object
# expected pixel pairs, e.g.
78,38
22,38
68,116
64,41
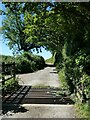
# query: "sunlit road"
46,77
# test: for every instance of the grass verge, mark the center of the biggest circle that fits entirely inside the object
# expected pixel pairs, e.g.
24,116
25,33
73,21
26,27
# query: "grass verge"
40,86
62,79
50,60
82,110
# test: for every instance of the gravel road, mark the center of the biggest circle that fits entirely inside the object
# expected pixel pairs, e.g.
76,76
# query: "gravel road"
46,77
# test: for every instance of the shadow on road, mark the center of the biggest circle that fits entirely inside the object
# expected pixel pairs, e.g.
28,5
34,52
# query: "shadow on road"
55,72
13,108
29,95
12,102
49,65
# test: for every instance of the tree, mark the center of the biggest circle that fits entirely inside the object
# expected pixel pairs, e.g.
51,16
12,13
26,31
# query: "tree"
51,25
13,28
64,29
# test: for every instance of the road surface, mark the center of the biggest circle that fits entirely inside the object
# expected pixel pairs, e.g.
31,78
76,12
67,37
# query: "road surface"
45,77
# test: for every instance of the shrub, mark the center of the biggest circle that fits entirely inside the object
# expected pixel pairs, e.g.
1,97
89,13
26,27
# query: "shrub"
58,61
62,78
70,74
76,69
37,61
82,110
10,86
23,65
40,63
26,62
7,59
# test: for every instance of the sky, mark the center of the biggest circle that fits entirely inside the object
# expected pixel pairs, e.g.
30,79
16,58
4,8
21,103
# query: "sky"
4,49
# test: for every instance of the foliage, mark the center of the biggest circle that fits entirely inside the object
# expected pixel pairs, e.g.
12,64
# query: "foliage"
26,62
63,79
10,86
50,60
82,110
7,59
64,29
85,79
29,63
76,70
58,61
73,52
13,28
23,65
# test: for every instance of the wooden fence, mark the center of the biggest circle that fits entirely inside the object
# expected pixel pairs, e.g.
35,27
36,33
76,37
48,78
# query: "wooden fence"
8,72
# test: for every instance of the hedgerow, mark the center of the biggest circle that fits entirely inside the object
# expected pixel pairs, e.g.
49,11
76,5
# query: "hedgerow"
26,62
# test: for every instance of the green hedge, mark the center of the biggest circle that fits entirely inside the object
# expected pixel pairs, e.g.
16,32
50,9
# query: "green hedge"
10,86
26,62
76,69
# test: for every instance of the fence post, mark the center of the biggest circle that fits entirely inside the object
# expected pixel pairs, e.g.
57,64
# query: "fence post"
3,77
14,74
3,71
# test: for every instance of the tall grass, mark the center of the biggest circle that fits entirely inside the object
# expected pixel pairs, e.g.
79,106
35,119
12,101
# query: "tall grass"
62,78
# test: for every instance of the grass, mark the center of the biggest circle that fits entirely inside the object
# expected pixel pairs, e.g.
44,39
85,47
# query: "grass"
40,86
82,110
43,86
50,60
62,79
